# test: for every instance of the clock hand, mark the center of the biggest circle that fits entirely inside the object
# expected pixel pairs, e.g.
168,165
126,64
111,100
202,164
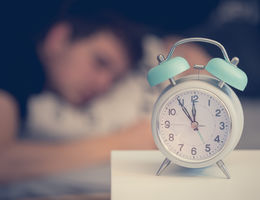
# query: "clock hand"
192,122
183,124
195,127
200,136
201,125
185,110
193,111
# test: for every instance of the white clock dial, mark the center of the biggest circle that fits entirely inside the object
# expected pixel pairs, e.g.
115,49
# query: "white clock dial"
194,125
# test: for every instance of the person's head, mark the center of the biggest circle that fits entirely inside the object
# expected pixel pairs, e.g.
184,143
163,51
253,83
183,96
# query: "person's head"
83,57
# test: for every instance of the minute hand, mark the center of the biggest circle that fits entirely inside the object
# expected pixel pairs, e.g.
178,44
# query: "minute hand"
185,110
193,111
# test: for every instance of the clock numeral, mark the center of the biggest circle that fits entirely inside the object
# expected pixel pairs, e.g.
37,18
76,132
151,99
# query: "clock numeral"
194,98
207,147
171,137
209,102
217,139
181,101
218,111
221,125
193,151
167,124
172,111
181,146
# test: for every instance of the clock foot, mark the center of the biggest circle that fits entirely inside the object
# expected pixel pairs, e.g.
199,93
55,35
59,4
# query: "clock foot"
163,166
223,168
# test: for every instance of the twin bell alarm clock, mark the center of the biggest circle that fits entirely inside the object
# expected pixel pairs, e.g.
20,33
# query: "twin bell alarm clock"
198,119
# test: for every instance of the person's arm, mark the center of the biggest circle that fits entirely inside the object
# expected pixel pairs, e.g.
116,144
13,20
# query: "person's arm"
22,159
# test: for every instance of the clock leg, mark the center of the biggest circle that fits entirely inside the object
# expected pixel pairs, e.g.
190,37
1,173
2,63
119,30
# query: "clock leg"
163,166
223,168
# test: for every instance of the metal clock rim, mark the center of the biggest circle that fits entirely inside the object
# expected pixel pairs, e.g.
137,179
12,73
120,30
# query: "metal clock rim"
234,138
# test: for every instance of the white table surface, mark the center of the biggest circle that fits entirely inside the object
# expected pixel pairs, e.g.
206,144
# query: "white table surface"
133,177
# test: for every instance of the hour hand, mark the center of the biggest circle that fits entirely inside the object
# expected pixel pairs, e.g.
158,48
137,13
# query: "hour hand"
185,110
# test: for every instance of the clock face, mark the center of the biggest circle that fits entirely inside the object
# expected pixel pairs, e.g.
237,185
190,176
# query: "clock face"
194,125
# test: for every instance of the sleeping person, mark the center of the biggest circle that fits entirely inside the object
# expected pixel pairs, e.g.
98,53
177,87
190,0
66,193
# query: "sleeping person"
79,60
78,97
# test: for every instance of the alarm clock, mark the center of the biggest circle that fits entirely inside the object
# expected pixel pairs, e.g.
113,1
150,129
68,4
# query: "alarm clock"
198,119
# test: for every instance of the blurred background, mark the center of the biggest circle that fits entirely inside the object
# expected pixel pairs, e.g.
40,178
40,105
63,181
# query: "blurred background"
51,48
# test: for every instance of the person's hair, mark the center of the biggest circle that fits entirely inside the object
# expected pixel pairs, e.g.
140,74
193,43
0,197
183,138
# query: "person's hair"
84,23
